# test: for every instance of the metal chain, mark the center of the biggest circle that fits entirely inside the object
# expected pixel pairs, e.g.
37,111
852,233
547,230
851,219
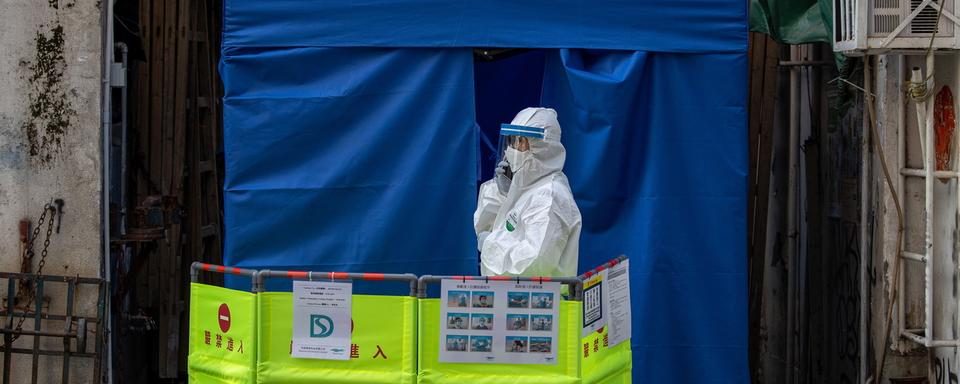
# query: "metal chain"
43,260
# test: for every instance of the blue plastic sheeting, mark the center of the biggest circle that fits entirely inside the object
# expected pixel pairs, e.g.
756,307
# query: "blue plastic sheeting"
350,159
367,159
657,160
649,25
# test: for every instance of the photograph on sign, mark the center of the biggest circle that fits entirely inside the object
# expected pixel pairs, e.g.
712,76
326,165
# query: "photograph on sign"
499,322
321,320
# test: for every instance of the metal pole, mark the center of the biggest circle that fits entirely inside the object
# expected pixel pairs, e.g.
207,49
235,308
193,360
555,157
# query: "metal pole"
105,119
124,52
261,276
794,141
901,163
864,215
930,166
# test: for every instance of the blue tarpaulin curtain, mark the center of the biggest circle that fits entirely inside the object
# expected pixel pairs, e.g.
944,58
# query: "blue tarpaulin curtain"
648,25
657,161
364,156
349,159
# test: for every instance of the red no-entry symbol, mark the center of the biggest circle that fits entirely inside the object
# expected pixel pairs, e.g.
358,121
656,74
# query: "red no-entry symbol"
223,317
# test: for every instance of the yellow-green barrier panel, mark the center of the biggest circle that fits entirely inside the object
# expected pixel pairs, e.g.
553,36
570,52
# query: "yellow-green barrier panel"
383,350
223,336
432,371
602,364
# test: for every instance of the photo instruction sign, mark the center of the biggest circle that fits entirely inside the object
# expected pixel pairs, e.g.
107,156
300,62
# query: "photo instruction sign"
504,322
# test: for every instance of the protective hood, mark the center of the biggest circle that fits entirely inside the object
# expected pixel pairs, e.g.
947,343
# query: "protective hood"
545,157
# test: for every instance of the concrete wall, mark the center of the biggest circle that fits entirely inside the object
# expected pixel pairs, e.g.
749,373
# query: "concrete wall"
50,91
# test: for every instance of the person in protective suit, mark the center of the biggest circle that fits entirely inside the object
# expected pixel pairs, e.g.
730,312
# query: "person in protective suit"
527,222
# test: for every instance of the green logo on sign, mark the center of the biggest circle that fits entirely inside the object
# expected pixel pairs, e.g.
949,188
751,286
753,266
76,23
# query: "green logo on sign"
321,326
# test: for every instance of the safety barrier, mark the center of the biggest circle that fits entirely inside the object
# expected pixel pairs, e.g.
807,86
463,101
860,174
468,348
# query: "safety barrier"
245,337
383,338
223,329
431,370
599,362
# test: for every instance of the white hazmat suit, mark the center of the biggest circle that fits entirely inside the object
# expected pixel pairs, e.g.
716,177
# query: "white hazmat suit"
533,229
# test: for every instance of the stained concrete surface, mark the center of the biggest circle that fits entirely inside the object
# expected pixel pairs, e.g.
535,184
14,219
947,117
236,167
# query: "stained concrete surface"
50,90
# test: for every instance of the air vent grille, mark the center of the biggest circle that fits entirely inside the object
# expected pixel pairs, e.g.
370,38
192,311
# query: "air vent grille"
895,4
926,21
885,23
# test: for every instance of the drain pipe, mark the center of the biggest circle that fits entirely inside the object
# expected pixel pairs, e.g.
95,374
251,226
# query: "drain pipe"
931,167
792,238
864,227
121,82
105,119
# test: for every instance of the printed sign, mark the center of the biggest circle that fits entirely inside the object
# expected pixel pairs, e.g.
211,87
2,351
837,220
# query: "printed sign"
499,322
606,302
593,307
321,320
619,317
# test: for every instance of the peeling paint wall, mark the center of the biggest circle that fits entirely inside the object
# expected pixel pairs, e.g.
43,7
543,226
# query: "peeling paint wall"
50,91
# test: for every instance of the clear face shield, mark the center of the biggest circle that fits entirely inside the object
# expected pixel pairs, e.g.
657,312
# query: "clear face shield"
514,145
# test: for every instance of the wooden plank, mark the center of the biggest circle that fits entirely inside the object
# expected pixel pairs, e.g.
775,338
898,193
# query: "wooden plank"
756,51
765,53
142,96
179,156
168,322
156,93
194,195
153,130
169,93
210,135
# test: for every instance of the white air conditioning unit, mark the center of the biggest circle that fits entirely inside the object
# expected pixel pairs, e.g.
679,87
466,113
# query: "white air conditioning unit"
877,26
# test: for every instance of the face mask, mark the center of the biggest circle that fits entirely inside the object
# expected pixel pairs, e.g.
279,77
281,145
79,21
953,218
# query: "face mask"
515,158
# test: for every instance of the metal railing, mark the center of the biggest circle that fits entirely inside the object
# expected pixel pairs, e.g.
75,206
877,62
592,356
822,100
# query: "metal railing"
198,267
575,284
75,328
409,278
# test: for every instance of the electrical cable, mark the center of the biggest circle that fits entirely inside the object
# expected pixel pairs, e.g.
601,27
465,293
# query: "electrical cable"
868,98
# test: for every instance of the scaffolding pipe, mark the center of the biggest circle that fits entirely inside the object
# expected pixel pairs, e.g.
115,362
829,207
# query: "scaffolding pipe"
901,164
794,142
930,166
105,121
916,77
864,209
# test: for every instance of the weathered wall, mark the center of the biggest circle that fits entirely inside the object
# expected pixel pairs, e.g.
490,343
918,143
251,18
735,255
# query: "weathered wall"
50,70
906,358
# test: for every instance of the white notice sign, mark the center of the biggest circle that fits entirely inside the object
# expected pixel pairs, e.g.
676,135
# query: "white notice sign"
321,320
618,303
505,322
606,303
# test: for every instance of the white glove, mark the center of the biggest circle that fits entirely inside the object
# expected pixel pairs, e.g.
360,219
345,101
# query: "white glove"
503,182
481,238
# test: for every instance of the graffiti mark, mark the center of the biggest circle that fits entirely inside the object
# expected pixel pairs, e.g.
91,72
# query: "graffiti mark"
943,371
50,111
847,278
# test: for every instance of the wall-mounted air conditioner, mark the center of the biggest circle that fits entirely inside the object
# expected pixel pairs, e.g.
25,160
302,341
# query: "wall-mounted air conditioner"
876,26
